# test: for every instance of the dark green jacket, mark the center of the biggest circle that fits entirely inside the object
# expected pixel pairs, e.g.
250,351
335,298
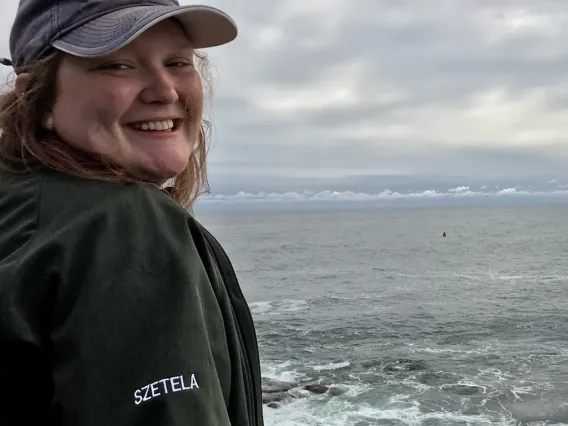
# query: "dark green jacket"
117,308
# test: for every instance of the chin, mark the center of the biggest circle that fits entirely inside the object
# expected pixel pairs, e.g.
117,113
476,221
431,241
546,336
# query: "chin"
160,165
159,177
161,173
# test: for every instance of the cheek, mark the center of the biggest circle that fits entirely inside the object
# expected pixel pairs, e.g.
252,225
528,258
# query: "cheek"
82,108
88,119
108,106
193,95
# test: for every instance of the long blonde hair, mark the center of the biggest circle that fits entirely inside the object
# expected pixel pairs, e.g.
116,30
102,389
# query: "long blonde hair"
26,144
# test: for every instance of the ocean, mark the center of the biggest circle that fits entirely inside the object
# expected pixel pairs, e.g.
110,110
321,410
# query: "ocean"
402,326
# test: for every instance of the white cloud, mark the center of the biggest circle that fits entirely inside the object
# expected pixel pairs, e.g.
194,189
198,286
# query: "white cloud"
459,189
385,195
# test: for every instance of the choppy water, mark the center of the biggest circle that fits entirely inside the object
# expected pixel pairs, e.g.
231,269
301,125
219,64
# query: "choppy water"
414,329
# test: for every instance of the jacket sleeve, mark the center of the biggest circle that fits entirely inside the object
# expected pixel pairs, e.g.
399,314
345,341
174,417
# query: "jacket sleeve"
136,332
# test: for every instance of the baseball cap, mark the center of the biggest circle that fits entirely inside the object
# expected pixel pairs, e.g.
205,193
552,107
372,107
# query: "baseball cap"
91,28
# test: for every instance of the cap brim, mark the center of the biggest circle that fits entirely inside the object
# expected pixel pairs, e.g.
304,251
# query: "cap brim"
205,26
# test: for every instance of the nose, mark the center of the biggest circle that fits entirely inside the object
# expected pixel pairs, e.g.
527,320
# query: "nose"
160,88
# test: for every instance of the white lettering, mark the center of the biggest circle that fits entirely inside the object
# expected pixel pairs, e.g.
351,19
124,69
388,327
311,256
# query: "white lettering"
173,382
163,382
137,397
153,390
194,382
147,387
183,384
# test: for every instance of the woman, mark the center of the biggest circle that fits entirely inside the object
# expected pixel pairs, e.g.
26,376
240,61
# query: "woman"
116,306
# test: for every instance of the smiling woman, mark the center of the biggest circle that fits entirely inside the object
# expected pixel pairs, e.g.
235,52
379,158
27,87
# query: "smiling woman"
57,95
115,302
149,81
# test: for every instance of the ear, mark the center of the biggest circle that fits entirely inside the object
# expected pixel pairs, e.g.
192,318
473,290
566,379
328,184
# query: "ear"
48,122
22,81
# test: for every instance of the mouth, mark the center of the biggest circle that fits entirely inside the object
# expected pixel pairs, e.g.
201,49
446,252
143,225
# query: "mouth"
168,125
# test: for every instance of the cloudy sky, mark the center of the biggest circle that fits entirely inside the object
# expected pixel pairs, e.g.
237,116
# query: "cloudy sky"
328,91
370,86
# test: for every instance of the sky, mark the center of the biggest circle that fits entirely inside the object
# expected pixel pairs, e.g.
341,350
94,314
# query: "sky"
346,97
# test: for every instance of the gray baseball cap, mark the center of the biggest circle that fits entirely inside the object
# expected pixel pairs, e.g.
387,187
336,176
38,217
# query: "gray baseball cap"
91,28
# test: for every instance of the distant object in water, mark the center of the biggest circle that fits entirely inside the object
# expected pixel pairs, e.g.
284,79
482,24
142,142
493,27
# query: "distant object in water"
444,234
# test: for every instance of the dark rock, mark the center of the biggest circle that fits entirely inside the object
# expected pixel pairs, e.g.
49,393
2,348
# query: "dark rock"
275,392
316,388
274,397
273,386
277,389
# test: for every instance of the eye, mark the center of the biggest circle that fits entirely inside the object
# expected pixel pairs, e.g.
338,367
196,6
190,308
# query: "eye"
180,63
115,66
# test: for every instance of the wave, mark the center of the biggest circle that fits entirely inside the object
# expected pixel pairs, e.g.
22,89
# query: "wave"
332,366
277,308
404,397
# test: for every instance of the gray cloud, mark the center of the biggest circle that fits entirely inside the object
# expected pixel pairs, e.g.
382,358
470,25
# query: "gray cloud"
443,86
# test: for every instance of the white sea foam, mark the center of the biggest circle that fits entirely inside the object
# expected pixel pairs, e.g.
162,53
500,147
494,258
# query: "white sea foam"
259,308
520,391
342,412
332,366
281,372
278,308
353,407
413,349
288,305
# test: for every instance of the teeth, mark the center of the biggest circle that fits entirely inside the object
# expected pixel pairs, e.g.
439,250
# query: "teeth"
166,125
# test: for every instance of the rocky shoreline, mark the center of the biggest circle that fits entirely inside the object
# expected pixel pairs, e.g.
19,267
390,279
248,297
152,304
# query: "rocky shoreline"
275,392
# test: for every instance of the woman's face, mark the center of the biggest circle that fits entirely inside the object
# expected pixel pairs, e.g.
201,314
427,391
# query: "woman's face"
141,106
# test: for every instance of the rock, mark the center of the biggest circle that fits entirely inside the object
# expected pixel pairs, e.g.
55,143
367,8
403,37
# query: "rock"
316,388
274,397
273,386
335,391
275,392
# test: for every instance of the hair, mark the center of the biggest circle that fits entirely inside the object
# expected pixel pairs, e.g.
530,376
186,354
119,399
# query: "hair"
25,143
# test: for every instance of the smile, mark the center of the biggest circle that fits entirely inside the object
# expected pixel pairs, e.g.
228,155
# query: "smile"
160,126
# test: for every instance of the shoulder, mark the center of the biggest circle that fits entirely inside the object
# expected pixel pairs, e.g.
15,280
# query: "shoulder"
48,203
68,196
